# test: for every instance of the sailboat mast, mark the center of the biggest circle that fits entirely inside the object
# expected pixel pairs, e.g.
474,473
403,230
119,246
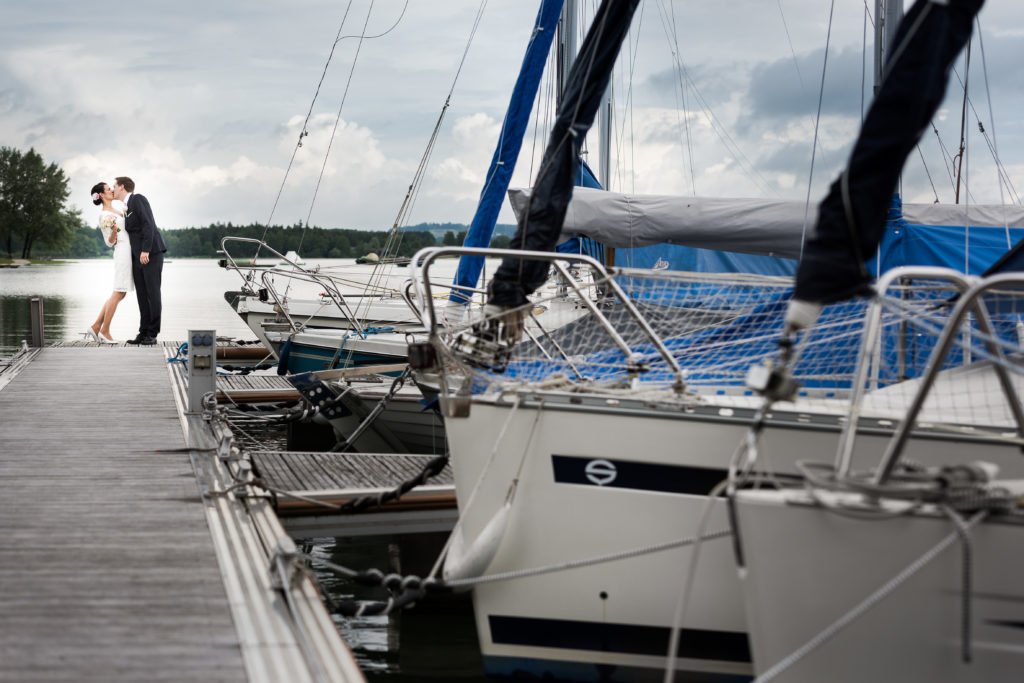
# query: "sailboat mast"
887,19
568,27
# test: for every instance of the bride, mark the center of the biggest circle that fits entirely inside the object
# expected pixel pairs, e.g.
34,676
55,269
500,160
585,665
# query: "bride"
111,223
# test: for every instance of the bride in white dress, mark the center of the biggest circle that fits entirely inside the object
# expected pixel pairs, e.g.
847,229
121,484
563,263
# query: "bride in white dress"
111,224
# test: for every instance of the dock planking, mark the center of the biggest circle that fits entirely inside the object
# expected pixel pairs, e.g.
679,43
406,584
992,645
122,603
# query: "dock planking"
115,565
107,571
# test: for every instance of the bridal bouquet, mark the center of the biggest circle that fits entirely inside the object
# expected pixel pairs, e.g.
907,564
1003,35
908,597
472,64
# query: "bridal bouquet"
108,222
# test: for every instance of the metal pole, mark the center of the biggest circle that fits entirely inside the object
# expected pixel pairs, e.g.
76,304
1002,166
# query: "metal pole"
567,30
887,19
605,128
36,333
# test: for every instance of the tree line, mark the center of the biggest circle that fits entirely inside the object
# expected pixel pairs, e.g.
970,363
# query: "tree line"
35,220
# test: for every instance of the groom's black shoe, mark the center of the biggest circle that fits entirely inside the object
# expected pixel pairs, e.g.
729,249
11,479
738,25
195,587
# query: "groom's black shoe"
147,341
138,339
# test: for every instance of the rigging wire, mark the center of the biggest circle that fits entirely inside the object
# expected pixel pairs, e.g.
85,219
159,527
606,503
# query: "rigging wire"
682,116
341,107
993,145
716,125
963,122
927,173
789,39
632,51
394,239
947,158
977,117
817,122
303,132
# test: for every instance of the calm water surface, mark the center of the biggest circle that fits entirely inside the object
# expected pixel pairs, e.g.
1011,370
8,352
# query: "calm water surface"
434,641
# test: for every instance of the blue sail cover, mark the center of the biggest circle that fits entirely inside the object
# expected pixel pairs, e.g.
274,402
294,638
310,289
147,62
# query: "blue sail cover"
499,173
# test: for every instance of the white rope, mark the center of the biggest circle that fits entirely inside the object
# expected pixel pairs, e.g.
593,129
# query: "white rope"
579,564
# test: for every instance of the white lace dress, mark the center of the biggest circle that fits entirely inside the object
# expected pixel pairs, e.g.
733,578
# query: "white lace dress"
122,250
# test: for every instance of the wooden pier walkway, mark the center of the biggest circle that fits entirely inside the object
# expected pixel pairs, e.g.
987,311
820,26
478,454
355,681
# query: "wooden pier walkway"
115,565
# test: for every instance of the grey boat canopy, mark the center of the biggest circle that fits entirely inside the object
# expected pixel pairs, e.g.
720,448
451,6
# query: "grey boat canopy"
750,226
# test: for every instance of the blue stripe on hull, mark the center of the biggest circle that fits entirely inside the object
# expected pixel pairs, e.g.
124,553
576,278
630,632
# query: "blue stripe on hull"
304,358
555,671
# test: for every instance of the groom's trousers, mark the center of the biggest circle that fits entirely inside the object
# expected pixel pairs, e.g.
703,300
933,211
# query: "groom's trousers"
147,291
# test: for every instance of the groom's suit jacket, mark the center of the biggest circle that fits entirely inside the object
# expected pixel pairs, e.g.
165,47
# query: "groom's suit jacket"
141,226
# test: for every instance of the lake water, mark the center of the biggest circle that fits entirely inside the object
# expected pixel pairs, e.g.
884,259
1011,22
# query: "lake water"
435,640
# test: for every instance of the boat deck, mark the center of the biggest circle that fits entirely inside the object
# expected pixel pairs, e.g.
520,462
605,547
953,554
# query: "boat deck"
313,485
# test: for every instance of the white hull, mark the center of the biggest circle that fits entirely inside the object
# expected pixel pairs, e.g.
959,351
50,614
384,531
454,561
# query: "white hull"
404,426
312,313
619,613
806,567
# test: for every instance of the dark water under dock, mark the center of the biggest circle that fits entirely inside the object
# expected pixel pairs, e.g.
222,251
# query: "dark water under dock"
431,642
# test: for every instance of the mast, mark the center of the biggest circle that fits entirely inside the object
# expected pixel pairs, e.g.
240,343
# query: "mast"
568,27
604,170
887,19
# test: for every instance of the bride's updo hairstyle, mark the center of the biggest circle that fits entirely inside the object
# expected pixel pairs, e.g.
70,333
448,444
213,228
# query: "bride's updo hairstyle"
96,191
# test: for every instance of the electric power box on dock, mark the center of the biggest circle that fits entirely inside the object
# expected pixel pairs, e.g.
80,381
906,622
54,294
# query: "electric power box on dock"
202,367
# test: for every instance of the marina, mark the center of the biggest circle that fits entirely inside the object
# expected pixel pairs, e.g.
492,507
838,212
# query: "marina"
646,433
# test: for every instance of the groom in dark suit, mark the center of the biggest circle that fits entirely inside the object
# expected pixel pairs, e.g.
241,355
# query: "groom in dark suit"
147,258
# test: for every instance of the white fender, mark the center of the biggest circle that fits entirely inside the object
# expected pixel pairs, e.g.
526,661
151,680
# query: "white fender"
464,562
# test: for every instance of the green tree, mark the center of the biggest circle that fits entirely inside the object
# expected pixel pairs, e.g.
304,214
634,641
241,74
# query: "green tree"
13,195
32,197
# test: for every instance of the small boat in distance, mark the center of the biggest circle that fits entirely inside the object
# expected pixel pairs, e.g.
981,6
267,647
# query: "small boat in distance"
291,258
373,259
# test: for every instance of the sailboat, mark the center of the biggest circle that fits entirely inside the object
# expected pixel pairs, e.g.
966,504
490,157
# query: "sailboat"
878,589
583,476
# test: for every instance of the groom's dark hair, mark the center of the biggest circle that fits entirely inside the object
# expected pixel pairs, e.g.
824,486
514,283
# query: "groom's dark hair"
126,182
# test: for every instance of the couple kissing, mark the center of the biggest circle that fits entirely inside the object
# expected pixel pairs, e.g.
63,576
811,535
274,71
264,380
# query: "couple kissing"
128,226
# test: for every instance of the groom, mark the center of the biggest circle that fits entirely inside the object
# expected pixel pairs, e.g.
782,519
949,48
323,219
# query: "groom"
147,258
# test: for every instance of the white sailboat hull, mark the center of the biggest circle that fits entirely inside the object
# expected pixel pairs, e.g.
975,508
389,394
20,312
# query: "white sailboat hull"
404,426
313,313
651,467
806,567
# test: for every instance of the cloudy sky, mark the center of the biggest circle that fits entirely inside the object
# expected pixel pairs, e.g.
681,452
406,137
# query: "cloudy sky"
202,102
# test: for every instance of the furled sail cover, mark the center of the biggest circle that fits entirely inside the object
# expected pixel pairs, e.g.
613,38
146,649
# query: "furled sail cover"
749,226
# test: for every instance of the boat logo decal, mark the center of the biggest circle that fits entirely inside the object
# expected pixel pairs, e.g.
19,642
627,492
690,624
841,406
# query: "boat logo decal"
601,472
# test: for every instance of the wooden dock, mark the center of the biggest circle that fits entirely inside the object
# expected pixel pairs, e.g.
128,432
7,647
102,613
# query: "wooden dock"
126,554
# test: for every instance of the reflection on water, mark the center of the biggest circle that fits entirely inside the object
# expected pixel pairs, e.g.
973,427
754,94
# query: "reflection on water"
15,321
433,641
74,291
193,296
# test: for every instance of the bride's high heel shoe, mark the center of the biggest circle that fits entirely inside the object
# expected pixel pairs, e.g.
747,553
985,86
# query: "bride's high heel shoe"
105,340
90,335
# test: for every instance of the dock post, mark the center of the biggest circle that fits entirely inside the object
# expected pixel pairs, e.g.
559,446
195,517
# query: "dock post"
202,368
35,316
